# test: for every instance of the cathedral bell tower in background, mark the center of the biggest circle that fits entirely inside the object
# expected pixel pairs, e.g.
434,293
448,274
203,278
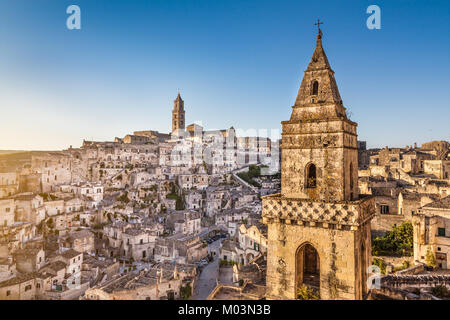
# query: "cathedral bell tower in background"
178,121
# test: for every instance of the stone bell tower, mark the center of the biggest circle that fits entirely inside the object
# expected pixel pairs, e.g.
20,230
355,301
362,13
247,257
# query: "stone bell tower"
178,114
318,226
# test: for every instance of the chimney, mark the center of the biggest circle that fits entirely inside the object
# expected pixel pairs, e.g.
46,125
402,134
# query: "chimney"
415,145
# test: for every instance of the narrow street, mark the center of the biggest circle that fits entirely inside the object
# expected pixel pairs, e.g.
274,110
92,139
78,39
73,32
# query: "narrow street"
207,280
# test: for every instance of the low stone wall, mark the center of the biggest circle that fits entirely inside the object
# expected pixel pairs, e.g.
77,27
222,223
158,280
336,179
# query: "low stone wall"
395,261
419,268
416,281
73,294
221,287
391,293
398,294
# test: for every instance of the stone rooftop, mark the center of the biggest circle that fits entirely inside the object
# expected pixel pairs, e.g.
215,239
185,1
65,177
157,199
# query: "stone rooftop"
56,266
81,234
71,253
19,278
443,203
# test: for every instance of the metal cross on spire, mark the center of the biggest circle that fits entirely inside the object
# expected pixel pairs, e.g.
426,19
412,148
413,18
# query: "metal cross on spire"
318,23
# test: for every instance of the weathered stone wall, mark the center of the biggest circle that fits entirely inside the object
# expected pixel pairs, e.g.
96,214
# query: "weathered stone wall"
338,264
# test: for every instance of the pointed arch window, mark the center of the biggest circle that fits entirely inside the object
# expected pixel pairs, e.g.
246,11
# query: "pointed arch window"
311,176
315,88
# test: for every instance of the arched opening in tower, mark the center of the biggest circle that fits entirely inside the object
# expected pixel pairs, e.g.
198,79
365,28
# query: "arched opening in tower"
311,176
315,88
308,268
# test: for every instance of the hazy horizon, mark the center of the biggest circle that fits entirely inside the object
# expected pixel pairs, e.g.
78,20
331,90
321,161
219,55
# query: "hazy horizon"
236,63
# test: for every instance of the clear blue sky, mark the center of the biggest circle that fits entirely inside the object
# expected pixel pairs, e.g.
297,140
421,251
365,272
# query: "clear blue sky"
236,63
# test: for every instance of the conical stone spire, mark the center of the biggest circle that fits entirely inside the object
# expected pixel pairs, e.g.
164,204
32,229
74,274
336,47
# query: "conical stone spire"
319,59
318,89
319,133
178,103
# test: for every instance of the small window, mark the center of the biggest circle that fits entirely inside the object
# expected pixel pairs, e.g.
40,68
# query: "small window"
351,176
311,177
315,88
28,287
384,209
441,232
8,293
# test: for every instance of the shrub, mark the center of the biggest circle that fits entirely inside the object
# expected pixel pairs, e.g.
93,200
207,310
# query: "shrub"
123,198
247,178
226,263
380,264
186,291
429,258
405,265
305,293
440,291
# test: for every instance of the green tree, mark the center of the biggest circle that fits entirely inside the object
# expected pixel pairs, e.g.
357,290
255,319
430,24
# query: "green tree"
430,258
399,241
186,291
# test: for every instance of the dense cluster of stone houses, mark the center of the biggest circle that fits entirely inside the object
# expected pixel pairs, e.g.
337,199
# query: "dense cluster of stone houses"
411,184
125,219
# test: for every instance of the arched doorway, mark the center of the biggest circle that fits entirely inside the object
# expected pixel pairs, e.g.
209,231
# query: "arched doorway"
307,269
